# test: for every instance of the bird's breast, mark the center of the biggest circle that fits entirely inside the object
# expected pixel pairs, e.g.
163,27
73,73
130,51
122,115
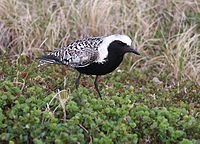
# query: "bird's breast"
101,68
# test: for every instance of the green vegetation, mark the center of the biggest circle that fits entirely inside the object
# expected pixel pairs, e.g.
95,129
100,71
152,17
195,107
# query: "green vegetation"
153,98
133,109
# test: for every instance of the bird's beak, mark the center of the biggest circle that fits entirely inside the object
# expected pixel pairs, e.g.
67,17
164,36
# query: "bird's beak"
131,50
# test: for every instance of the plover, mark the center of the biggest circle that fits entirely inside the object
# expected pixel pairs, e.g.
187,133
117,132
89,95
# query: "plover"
92,56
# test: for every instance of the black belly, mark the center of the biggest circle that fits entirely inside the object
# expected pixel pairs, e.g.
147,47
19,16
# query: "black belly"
100,69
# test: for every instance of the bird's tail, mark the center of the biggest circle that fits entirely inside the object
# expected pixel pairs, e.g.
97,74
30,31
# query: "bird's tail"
49,59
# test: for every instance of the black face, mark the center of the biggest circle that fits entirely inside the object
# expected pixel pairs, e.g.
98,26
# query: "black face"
120,48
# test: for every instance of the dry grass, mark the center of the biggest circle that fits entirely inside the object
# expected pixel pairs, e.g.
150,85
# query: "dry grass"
182,55
165,32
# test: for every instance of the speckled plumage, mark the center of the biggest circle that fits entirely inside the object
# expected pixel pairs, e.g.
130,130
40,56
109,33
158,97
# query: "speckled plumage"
79,53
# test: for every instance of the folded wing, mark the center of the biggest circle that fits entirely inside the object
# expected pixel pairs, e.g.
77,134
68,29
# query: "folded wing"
78,54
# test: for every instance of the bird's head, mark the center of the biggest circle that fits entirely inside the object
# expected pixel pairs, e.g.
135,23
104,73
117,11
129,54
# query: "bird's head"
115,44
121,44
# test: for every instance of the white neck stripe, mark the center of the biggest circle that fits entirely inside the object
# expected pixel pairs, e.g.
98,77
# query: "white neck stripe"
103,48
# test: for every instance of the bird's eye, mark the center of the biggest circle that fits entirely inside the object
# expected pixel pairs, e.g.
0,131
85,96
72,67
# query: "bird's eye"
122,44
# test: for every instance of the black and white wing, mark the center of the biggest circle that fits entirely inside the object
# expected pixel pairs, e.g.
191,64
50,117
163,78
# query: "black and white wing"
80,53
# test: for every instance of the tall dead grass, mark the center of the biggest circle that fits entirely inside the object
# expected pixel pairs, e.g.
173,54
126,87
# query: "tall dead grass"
166,32
182,55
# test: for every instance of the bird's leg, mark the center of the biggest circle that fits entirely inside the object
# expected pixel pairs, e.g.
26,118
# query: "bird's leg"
78,81
96,85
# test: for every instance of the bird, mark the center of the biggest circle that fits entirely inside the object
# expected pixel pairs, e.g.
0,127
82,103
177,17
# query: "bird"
92,55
